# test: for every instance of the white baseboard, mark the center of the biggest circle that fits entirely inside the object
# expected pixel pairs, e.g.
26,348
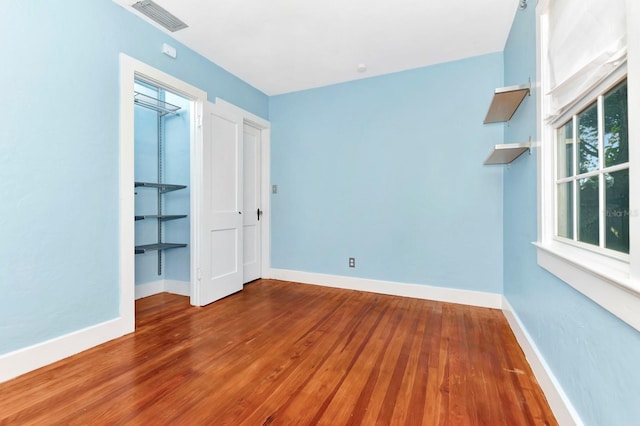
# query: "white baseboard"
14,364
155,287
560,404
418,291
149,289
181,288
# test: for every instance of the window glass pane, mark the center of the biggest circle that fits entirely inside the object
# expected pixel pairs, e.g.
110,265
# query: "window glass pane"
564,139
616,134
588,140
588,221
617,220
565,210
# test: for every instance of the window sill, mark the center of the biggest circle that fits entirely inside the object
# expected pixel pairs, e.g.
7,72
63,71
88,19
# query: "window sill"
604,280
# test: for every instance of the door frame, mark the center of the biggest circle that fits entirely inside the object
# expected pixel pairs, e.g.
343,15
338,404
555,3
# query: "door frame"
265,178
131,69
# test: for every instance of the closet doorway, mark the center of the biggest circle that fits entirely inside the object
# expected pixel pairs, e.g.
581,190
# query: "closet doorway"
160,198
174,228
162,190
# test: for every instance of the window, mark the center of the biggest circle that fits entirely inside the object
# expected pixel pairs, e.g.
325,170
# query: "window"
592,170
589,149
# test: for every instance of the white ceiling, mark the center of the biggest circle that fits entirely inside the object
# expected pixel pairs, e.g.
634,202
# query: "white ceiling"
281,46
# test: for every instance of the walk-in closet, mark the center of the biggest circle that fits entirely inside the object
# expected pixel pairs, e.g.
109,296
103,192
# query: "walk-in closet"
162,190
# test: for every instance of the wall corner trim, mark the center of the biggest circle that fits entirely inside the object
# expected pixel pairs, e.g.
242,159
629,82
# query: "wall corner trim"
558,400
418,291
21,361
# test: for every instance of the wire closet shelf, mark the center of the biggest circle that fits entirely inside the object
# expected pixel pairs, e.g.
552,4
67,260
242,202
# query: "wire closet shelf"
161,107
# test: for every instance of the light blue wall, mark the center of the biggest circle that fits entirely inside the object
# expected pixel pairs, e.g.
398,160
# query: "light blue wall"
592,353
389,170
176,166
146,199
59,157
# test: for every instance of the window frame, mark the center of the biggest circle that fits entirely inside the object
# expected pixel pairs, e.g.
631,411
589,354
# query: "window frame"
610,279
612,82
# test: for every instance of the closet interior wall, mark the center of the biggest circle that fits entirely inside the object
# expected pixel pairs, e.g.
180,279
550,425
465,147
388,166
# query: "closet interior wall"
162,193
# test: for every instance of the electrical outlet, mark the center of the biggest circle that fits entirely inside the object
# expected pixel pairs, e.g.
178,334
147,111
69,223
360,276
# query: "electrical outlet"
274,189
352,262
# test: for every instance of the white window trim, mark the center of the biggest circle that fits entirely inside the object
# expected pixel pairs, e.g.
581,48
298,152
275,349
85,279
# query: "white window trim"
611,281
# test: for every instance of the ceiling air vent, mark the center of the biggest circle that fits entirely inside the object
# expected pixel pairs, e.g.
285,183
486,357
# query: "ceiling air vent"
160,15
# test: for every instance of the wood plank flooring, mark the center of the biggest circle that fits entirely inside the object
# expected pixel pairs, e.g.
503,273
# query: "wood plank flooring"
281,353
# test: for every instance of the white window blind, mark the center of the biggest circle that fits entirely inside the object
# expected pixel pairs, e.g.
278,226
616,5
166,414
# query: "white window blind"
587,41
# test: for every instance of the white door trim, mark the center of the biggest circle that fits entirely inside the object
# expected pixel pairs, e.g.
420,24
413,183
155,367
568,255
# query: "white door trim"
130,69
265,128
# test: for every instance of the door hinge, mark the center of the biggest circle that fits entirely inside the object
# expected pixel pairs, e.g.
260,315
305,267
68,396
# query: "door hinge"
199,274
199,120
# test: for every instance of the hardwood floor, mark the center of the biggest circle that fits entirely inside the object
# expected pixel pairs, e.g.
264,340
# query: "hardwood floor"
291,354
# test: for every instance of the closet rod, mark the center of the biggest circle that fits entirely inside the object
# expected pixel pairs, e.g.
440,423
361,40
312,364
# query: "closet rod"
152,103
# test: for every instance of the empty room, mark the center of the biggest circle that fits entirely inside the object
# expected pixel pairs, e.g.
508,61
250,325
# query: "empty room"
209,238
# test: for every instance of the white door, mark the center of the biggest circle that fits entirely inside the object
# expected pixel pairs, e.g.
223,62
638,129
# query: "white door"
252,206
220,260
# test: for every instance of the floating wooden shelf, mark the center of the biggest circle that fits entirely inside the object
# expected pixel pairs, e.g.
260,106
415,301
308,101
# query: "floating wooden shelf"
506,153
506,101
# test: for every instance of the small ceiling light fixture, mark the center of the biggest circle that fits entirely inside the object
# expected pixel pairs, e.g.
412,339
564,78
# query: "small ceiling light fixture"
522,5
362,67
159,15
